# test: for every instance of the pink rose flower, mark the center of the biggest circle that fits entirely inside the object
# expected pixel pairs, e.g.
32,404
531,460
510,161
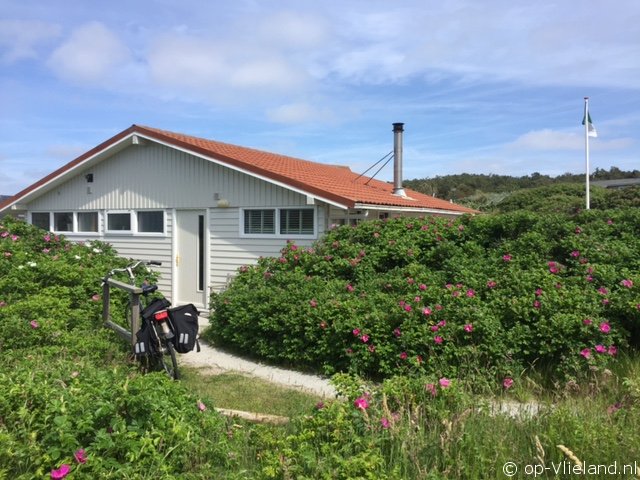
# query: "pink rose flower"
444,382
438,339
468,328
507,383
586,352
605,327
80,456
361,403
431,388
201,406
61,472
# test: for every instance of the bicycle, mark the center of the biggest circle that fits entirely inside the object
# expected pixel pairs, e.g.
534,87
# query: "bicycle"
155,337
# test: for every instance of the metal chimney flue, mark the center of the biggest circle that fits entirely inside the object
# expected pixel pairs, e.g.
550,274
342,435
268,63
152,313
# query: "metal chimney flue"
398,128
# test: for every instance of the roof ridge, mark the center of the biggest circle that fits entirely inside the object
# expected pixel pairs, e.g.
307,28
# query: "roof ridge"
242,147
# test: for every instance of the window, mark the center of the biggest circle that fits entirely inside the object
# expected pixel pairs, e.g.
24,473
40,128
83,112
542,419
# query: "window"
87,221
41,220
119,222
63,221
259,222
151,222
296,221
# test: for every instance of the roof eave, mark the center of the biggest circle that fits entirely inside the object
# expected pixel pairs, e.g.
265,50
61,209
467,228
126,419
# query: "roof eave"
396,208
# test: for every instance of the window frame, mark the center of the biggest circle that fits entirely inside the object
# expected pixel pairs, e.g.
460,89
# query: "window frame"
108,231
243,222
300,233
136,223
54,222
103,222
77,222
49,214
277,224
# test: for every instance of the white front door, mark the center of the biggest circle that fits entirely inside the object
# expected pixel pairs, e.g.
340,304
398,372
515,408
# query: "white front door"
190,258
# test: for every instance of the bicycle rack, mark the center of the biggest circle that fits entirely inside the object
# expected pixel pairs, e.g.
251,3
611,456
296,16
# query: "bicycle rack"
135,293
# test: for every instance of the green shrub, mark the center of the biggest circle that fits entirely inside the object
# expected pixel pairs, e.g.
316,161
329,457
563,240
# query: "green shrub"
67,383
484,296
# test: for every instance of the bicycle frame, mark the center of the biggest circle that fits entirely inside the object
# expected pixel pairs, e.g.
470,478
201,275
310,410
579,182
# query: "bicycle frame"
159,321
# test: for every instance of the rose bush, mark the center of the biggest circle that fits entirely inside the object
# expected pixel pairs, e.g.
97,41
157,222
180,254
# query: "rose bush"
485,295
72,404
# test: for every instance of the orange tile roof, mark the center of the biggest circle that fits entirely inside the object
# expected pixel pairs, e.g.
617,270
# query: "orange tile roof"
334,183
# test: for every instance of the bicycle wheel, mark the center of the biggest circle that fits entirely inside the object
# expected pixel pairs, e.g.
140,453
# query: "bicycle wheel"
170,366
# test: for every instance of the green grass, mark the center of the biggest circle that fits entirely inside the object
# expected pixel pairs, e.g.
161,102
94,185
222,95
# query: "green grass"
241,392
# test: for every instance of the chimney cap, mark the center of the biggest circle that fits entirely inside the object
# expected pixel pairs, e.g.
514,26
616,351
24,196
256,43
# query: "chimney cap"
398,127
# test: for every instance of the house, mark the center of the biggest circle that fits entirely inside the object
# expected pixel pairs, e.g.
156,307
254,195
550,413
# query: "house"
203,208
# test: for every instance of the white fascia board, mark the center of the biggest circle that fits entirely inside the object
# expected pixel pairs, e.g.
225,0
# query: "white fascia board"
246,172
391,208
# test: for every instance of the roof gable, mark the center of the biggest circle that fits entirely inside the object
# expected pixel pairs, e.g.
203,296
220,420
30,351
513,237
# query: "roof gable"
338,184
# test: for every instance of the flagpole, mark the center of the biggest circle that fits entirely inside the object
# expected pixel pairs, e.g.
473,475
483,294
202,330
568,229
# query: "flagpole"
586,148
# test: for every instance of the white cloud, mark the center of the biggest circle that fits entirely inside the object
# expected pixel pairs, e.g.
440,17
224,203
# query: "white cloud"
294,113
222,69
92,53
186,62
292,30
538,43
20,39
549,140
270,73
553,140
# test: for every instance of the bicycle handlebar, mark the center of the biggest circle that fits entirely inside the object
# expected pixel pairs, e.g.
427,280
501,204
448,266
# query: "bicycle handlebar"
131,267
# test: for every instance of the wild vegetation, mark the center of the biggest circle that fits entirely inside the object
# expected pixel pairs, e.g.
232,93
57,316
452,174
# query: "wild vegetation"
74,405
487,297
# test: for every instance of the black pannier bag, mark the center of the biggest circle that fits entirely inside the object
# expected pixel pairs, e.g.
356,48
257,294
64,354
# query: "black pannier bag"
184,320
155,306
145,340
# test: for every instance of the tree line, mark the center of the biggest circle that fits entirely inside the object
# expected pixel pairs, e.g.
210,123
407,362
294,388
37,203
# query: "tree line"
462,186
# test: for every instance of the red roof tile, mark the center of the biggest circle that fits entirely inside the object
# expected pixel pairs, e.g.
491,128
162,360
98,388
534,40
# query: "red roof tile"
335,183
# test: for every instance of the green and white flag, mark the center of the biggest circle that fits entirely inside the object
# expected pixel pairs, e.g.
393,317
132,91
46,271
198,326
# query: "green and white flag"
591,130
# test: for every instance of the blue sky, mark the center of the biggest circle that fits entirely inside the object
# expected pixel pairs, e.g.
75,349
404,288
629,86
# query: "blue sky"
483,87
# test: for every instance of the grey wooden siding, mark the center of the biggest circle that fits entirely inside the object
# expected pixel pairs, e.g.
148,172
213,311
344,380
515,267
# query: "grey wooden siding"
154,176
229,250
